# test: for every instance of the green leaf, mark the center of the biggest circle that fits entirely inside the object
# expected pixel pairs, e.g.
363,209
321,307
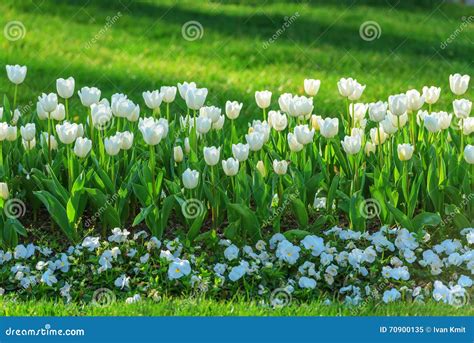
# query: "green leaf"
299,209
292,235
400,217
426,219
249,221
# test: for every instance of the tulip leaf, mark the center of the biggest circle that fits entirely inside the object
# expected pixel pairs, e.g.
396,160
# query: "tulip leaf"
299,209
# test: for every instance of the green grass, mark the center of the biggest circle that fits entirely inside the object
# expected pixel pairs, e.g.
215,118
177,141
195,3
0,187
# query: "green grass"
144,48
194,307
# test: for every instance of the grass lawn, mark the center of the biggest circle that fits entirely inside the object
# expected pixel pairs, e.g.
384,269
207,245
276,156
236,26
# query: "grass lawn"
129,47
195,307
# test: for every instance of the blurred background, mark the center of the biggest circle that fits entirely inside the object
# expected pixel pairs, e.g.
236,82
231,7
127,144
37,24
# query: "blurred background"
236,47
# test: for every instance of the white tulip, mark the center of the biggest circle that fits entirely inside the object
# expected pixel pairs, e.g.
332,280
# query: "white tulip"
112,145
462,108
195,98
458,83
378,111
48,102
4,193
351,144
398,104
277,120
420,117
82,147
255,140
151,130
311,86
68,132
126,139
358,111
16,116
444,119
29,145
28,131
187,146
303,134
230,166
431,94
1,113
280,167
169,93
414,100
358,89
293,143
101,114
12,133
315,122
387,125
65,87
211,155
300,106
152,99
284,102
116,99
59,113
468,126
370,148
190,178
261,168
345,86
49,142
89,95
263,128
16,73
263,98
183,88
125,108
405,151
211,112
431,122
178,154
358,132
232,109
219,124
240,152
163,123
203,124
469,154
3,131
398,121
329,127
374,135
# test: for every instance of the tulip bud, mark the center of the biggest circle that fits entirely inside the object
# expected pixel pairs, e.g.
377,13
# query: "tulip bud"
230,166
190,178
405,151
458,83
65,88
232,109
16,74
311,86
3,131
4,193
82,147
469,154
187,146
261,168
178,154
240,152
280,167
211,155
263,98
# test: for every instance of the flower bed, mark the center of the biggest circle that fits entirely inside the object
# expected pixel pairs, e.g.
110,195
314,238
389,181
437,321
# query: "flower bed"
388,265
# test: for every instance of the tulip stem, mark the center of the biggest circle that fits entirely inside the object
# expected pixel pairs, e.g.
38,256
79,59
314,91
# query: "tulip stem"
91,125
1,154
168,112
49,139
69,166
67,108
15,94
152,168
264,115
461,148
